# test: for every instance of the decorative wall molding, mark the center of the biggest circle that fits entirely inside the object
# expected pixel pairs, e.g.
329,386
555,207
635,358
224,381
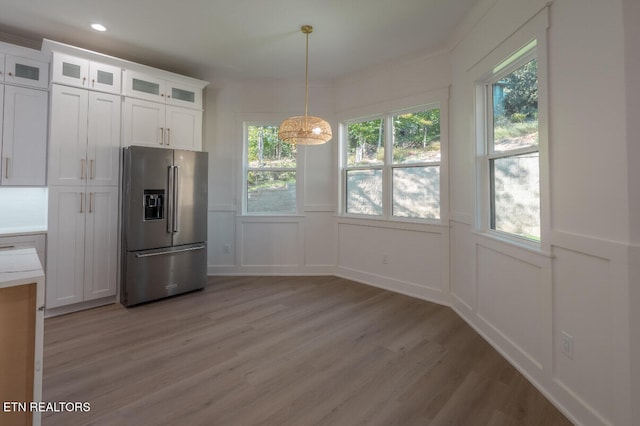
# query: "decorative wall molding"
428,293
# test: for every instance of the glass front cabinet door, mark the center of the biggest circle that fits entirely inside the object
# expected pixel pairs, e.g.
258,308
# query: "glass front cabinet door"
182,95
148,87
79,72
25,72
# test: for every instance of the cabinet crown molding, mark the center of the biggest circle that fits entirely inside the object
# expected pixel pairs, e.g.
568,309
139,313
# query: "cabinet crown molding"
49,47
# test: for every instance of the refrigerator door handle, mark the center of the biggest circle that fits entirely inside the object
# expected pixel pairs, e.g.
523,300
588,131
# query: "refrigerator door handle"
170,199
176,198
162,253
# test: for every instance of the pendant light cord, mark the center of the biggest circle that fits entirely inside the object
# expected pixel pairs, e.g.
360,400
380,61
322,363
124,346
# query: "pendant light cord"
306,79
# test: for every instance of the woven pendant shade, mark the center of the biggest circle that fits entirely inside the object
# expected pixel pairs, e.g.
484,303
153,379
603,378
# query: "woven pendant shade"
305,129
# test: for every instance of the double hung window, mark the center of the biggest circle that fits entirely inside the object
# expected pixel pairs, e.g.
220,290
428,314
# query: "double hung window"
392,165
512,156
270,172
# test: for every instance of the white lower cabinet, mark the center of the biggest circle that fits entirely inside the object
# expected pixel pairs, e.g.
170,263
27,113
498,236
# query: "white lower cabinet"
82,244
16,242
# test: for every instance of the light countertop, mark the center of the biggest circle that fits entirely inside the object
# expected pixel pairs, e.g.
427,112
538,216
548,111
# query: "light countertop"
25,230
18,267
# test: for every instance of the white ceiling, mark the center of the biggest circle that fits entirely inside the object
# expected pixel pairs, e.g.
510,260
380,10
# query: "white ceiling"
247,39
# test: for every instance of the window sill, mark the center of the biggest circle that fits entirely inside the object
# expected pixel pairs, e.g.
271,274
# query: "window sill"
514,241
379,222
268,217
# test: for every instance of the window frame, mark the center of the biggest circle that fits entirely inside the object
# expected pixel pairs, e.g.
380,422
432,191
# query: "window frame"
246,169
387,167
527,43
345,168
518,60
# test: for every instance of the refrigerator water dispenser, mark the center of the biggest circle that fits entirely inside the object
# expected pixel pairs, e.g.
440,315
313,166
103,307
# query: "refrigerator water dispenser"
153,204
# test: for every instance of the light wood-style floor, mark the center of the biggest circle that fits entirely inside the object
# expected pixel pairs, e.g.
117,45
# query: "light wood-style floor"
283,351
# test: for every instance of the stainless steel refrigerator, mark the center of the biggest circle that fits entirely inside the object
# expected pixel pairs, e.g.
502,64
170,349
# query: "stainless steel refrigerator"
164,232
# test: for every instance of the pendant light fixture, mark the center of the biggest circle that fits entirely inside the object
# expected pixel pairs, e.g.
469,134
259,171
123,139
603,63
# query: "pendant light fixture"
305,130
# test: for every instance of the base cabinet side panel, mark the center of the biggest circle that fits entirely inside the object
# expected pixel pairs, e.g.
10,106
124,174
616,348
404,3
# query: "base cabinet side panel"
17,332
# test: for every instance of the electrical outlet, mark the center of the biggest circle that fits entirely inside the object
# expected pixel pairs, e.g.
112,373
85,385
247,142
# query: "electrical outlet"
567,344
226,249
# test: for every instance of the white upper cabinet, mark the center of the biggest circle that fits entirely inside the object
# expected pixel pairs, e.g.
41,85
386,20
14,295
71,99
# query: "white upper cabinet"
143,123
183,95
184,128
68,136
79,72
24,136
153,124
84,139
103,139
24,105
144,86
24,72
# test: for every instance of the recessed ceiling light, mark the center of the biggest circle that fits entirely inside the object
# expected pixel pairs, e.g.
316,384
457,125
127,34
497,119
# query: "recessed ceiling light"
98,27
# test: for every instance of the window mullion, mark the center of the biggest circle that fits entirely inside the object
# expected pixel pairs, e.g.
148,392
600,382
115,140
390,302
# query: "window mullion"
387,173
513,152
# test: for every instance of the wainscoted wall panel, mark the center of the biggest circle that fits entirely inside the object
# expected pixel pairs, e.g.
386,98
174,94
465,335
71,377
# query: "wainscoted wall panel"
511,300
463,288
583,296
518,300
271,244
319,242
221,244
410,261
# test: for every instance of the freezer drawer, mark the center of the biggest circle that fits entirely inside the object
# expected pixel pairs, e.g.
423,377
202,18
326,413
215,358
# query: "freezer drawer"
154,274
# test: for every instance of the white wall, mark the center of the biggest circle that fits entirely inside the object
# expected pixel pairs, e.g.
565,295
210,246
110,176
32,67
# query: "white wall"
519,300
407,258
631,12
522,301
239,244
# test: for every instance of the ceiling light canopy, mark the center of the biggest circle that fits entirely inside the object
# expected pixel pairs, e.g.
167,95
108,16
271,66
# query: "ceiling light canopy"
306,129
